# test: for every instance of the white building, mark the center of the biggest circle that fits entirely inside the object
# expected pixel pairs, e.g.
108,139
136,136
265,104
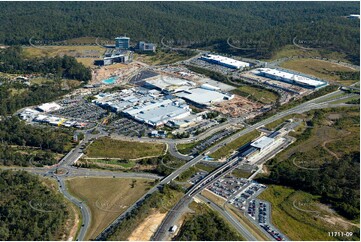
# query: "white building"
204,97
225,61
263,142
48,107
291,78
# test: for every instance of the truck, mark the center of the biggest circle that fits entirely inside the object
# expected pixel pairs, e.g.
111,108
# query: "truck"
173,228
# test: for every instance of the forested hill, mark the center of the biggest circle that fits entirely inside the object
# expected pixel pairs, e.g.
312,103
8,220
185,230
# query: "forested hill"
270,24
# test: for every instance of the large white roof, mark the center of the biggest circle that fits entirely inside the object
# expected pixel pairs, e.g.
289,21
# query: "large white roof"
46,107
166,82
226,60
262,142
290,76
204,96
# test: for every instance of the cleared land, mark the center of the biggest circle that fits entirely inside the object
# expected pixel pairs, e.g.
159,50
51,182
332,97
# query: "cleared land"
76,51
232,146
147,228
301,217
291,50
106,198
110,148
237,106
161,57
332,72
85,54
257,94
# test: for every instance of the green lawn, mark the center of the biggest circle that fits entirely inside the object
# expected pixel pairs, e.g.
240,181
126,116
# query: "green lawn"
110,148
257,94
322,69
291,50
301,225
187,147
232,146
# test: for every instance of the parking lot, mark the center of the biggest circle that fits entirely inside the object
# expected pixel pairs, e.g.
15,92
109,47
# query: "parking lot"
249,191
201,127
242,193
80,110
127,127
228,186
209,142
213,67
261,211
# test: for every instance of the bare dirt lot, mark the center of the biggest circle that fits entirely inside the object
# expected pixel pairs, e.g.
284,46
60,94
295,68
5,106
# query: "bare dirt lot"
237,106
147,228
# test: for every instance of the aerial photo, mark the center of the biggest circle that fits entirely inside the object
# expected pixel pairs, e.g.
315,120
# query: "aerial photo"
180,121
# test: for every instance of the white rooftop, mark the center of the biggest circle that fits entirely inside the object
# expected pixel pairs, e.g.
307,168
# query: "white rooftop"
166,82
262,142
226,60
46,107
290,76
204,96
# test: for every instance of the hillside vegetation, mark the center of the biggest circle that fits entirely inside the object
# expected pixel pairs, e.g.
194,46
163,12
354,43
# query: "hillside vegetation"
263,27
29,209
325,160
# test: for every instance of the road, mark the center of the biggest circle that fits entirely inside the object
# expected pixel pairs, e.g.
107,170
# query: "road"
241,230
85,212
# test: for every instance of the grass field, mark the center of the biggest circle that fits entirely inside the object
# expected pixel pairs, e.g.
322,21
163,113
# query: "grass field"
232,146
70,50
110,148
187,147
291,50
106,198
312,224
161,57
257,94
319,68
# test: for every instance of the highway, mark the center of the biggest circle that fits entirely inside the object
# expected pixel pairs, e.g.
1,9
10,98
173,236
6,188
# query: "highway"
244,232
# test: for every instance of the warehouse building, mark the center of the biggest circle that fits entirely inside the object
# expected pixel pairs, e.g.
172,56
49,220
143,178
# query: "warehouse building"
203,97
225,61
291,78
